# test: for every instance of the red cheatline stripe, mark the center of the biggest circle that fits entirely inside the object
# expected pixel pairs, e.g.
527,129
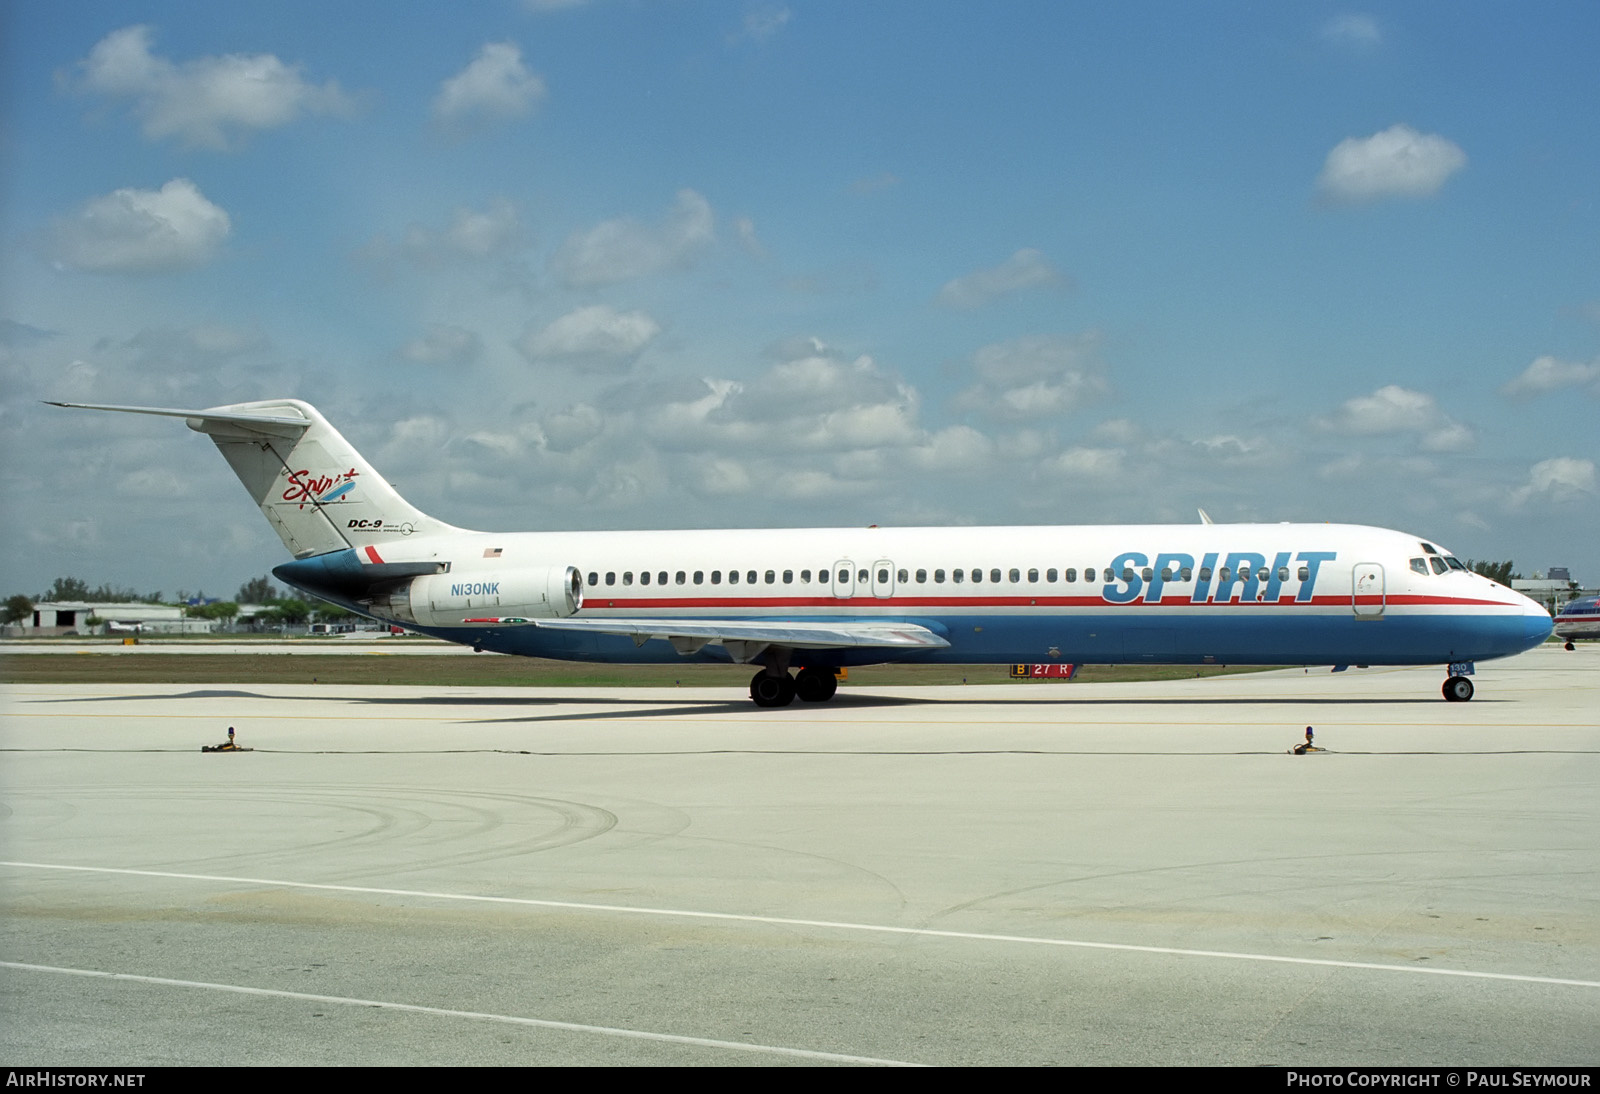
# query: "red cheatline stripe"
598,599
372,553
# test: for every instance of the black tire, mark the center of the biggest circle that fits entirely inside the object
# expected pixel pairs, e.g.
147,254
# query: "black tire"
815,685
1458,689
767,690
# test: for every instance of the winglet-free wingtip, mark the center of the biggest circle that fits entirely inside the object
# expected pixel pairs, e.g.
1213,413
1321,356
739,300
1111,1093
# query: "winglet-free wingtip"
1205,518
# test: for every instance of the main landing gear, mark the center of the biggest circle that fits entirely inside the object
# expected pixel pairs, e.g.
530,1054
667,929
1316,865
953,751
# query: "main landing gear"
814,685
1458,689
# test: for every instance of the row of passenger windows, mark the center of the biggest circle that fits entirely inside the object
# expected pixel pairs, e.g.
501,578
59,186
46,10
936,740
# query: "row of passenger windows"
975,575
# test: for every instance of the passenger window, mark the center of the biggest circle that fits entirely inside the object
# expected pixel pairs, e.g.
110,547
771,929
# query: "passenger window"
1223,574
772,578
805,577
661,578
922,577
644,578
716,577
1147,573
699,577
627,577
594,579
788,577
1016,576
1088,573
1188,573
1033,576
1050,575
863,577
883,577
1205,572
733,577
844,577
611,577
957,575
977,576
1166,573
1305,574
682,578
1283,573
994,575
750,578
903,576
1071,575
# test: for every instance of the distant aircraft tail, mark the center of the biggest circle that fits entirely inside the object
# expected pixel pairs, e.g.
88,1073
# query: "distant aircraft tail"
315,488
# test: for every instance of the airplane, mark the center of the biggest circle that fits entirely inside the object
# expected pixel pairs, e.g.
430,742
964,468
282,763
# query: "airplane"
803,603
1580,618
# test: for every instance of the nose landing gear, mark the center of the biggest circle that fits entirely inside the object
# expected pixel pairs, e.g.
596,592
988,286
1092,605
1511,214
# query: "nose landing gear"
1458,689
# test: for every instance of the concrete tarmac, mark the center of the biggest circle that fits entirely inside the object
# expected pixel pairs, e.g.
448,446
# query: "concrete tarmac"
1017,874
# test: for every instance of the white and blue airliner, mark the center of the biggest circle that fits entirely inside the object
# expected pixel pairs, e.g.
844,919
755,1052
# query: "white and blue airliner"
801,603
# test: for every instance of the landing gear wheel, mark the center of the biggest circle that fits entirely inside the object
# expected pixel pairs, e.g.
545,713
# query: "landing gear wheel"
767,690
1458,689
1570,646
815,685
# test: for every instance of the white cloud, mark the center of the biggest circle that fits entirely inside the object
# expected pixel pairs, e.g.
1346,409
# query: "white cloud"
1547,374
1392,411
1558,481
141,231
200,101
620,250
495,231
1035,377
598,335
761,23
495,87
1026,269
1398,162
1353,30
443,344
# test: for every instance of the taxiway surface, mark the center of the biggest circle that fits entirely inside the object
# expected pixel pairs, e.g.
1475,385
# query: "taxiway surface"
1071,873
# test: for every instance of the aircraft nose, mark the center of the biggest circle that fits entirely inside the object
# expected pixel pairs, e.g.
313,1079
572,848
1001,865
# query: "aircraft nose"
1536,622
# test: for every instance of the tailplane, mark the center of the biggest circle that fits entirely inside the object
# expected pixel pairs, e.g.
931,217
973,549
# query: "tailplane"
315,488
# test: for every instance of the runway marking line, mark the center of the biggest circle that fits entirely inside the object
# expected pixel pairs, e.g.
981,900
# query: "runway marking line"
822,924
479,1016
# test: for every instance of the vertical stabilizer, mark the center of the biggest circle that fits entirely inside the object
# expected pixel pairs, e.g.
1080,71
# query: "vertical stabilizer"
314,487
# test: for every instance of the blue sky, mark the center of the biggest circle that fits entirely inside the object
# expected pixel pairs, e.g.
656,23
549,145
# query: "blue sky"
653,264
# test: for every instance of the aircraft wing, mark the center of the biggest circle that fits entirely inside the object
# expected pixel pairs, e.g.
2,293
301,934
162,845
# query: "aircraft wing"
746,639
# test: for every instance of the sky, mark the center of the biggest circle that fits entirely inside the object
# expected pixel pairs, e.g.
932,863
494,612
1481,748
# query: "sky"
555,264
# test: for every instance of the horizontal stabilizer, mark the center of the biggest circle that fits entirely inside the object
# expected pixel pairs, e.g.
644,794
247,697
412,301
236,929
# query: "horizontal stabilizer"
212,421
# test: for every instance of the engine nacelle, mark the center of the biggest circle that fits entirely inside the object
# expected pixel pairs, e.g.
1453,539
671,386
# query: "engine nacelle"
448,600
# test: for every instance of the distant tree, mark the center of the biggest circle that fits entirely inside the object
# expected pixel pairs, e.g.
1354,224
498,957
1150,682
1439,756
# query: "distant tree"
287,611
1494,571
66,588
17,608
258,590
218,610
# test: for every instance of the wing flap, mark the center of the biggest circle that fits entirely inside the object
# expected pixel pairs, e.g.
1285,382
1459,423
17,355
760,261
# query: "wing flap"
742,636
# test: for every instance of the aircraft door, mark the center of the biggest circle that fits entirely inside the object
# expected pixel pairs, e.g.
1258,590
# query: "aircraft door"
1367,594
844,579
883,578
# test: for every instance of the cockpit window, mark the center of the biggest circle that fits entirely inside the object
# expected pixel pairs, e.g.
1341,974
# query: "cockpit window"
1420,565
1454,563
1430,549
1438,564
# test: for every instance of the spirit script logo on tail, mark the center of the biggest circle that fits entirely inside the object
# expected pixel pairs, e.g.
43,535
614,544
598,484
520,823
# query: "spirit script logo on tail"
304,488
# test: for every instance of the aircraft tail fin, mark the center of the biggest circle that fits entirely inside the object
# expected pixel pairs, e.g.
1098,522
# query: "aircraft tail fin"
313,486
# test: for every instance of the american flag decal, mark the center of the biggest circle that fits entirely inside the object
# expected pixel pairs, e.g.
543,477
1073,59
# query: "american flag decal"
491,552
